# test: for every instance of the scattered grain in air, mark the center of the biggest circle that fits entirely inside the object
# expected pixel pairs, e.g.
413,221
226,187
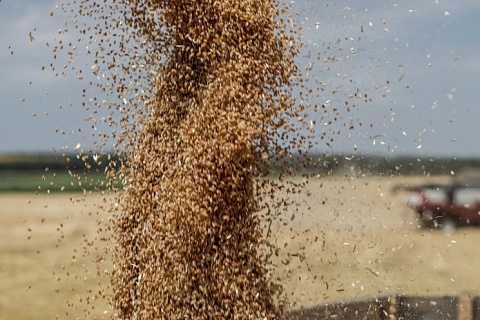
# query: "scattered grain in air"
195,134
197,169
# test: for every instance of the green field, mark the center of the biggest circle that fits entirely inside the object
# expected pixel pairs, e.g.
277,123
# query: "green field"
41,181
50,173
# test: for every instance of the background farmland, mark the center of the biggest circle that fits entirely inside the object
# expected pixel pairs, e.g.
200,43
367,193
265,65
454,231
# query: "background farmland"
346,235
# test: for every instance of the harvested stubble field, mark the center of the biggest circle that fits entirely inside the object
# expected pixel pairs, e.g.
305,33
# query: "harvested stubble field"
344,238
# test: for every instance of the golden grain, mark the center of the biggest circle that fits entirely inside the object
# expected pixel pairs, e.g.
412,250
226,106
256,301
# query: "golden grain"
201,99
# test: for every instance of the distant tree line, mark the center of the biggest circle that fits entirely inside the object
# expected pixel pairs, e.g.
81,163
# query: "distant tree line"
37,162
323,164
389,166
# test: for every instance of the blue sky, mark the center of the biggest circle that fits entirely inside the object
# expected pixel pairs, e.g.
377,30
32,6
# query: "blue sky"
423,56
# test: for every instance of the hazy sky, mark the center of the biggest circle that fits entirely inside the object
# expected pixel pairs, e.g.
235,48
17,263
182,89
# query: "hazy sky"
419,61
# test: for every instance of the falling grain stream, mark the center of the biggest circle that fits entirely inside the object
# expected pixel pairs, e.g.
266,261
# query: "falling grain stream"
187,234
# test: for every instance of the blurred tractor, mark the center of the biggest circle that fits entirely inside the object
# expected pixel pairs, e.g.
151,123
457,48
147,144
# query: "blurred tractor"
447,206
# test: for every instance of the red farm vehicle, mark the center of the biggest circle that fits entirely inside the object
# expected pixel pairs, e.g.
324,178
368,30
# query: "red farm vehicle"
448,205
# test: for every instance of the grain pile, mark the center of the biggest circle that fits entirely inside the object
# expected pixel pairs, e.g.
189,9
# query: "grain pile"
206,107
